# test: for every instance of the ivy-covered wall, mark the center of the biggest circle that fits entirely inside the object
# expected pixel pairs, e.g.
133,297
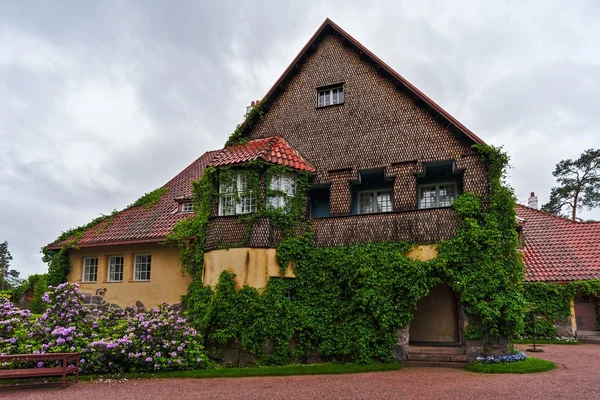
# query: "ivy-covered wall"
349,301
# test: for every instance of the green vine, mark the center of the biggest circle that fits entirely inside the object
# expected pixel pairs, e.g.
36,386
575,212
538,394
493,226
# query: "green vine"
349,301
150,199
252,118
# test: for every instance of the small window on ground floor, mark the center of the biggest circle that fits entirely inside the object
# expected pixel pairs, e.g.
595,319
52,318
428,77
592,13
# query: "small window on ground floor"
141,267
90,269
115,268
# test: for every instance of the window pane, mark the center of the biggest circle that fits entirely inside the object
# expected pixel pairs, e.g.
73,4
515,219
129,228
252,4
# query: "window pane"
90,270
115,269
366,202
141,269
227,205
187,207
275,182
384,202
327,98
247,204
427,198
447,194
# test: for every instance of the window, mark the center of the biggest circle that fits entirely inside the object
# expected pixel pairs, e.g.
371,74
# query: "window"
230,190
90,269
115,268
331,96
374,201
285,185
437,195
187,207
584,299
141,267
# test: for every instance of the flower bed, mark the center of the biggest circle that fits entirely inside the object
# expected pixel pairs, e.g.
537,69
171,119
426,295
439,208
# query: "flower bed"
113,341
517,356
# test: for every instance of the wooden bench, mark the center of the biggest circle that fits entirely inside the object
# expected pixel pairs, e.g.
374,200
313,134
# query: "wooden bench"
63,370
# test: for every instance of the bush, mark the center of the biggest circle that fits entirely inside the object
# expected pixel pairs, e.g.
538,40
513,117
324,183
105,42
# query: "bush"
113,341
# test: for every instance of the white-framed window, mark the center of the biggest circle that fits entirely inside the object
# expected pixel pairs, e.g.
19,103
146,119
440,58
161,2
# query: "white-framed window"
115,269
187,207
232,189
90,269
285,184
437,195
331,96
141,267
374,201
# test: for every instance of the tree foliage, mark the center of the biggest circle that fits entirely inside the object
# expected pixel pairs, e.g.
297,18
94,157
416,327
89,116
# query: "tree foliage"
8,277
578,185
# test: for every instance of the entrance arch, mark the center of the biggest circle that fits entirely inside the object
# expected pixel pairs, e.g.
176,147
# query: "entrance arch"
435,318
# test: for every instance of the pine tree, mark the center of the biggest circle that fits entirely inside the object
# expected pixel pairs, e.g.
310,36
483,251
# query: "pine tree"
5,259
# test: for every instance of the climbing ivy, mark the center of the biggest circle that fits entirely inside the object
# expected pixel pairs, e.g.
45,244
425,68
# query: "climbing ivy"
149,199
348,301
252,118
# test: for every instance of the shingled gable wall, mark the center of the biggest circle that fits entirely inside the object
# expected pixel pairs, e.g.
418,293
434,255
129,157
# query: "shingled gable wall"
379,126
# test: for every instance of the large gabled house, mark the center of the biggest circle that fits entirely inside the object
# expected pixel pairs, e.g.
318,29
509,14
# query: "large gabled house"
385,164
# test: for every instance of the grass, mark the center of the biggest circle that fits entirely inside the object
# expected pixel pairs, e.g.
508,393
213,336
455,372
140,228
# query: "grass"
298,369
544,341
528,366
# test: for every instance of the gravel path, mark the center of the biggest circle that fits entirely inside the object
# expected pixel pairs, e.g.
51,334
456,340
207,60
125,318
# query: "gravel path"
576,378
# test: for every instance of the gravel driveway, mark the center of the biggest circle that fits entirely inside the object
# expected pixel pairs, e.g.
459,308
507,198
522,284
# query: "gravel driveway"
576,378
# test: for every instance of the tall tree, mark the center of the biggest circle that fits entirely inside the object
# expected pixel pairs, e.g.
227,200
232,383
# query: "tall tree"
5,258
578,185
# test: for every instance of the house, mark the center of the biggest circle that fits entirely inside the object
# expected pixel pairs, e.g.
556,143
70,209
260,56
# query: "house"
384,163
559,250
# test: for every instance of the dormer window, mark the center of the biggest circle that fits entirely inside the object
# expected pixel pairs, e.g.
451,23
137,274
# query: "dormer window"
330,96
187,207
234,196
439,185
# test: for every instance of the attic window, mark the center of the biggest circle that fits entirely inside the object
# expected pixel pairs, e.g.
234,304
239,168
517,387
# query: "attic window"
330,96
187,207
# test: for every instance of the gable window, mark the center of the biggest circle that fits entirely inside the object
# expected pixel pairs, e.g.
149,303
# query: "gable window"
187,207
90,269
141,267
234,196
115,268
330,96
284,187
374,201
437,195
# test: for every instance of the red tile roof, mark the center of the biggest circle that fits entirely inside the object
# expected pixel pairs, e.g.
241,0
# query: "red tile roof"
558,249
138,224
274,149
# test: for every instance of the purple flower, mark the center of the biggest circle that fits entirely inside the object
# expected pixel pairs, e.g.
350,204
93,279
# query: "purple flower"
149,359
40,365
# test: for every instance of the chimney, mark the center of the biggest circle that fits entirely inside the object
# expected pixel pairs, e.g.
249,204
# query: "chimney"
532,201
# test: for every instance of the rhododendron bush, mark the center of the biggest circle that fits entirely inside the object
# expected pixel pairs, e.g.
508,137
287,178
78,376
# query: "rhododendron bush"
113,341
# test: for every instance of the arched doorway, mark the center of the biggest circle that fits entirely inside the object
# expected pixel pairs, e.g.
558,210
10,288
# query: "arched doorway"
435,318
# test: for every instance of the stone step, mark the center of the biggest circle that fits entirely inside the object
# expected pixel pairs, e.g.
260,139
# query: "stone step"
589,339
434,364
443,350
437,357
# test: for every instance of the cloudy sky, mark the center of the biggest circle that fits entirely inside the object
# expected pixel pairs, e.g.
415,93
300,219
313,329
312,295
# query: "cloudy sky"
103,101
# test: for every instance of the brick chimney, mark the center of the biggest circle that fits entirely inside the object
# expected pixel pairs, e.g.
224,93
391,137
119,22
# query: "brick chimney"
532,201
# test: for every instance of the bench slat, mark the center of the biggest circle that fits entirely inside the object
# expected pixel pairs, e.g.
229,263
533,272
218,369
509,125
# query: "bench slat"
35,372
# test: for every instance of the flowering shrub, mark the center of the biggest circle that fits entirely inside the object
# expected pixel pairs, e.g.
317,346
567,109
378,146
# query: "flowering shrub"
516,356
111,341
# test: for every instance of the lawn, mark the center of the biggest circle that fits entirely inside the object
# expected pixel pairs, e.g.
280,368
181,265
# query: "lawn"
528,366
298,369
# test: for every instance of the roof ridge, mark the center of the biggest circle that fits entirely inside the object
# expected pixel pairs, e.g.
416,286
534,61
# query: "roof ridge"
551,215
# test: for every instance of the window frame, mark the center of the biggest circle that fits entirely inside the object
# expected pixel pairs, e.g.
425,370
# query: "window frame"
187,207
84,272
329,92
245,205
279,201
135,267
437,186
374,193
109,271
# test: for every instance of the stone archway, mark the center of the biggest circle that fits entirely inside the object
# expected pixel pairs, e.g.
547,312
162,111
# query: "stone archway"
435,318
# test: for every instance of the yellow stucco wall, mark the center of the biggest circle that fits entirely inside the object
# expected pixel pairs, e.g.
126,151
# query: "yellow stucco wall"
253,267
423,252
167,281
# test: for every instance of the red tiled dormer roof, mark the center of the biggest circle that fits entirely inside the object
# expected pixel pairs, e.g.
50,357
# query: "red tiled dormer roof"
140,224
558,249
274,149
